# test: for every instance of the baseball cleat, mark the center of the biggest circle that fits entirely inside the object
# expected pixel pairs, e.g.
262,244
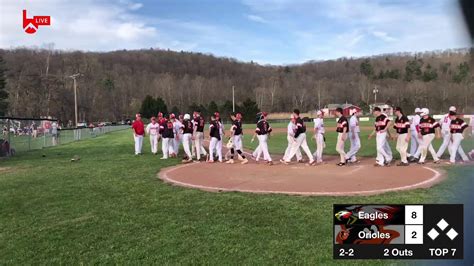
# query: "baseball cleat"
269,163
163,158
245,161
420,162
284,162
231,161
210,161
378,165
341,164
402,164
437,161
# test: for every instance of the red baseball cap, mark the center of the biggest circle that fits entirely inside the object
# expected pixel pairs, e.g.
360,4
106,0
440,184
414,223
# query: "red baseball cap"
216,114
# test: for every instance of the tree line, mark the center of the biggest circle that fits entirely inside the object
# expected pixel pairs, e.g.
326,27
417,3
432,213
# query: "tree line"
114,85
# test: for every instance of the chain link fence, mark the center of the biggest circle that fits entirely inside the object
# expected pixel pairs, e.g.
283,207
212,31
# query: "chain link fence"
25,134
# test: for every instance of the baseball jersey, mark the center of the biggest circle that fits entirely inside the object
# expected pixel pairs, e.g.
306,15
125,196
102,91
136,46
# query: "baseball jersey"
178,127
214,130
153,129
457,126
199,123
445,122
381,122
354,124
263,127
341,124
167,130
291,129
428,125
188,127
237,127
138,127
415,122
162,122
402,124
300,127
319,124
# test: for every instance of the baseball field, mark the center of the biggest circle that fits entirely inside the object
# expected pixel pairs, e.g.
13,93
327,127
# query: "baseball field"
110,207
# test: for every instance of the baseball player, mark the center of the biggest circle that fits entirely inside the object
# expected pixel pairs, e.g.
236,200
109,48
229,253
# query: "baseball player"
178,129
152,130
167,138
342,128
262,131
354,138
215,134
221,130
319,137
428,130
291,139
300,140
414,129
236,134
445,123
198,135
138,133
382,124
187,137
457,128
402,126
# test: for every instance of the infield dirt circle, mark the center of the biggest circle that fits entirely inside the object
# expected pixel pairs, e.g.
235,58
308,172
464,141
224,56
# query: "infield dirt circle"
299,179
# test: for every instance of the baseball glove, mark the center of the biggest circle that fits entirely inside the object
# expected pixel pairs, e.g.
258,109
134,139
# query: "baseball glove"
230,144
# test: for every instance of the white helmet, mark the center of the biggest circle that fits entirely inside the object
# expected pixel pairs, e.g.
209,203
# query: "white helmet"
425,111
417,110
187,116
452,109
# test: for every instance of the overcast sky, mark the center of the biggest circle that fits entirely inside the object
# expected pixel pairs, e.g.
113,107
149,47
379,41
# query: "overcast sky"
265,31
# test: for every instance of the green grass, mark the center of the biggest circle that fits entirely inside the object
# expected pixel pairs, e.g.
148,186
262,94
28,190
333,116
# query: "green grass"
111,208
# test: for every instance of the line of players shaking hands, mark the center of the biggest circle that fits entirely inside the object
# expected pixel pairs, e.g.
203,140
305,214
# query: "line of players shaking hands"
419,131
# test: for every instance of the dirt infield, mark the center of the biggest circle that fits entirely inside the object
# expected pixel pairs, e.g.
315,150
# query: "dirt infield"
298,179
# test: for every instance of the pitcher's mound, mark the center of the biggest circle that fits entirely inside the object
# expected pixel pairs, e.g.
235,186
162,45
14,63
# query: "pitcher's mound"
298,179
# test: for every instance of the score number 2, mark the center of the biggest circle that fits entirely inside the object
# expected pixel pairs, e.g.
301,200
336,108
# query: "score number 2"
349,252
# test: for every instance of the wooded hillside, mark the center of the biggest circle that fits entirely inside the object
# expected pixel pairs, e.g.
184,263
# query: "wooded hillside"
114,84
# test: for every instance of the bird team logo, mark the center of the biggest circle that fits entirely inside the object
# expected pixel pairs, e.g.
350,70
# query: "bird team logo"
31,25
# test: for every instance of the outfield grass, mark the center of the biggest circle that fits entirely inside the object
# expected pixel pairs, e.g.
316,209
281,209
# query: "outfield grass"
110,208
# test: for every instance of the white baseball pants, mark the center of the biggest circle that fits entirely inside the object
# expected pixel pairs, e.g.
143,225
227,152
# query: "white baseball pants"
291,141
166,147
300,142
340,147
187,139
154,143
318,154
402,146
213,145
138,143
455,147
355,146
263,148
237,142
199,145
425,146
446,141
414,143
176,143
384,153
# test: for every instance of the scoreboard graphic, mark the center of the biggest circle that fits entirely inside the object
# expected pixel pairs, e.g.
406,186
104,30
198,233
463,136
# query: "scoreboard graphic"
429,231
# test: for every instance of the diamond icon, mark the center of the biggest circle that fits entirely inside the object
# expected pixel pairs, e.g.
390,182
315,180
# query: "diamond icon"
433,234
452,234
442,224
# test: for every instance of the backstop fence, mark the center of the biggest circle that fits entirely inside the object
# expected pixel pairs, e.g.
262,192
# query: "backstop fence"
25,134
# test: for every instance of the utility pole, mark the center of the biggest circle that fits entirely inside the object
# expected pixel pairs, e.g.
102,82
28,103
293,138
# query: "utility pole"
375,91
75,94
233,98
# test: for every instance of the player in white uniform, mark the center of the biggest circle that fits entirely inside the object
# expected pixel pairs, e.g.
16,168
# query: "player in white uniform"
187,137
382,125
300,140
319,137
178,137
414,129
152,129
291,129
354,138
445,123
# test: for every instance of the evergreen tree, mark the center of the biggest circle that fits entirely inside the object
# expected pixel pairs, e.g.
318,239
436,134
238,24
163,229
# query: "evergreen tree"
212,107
366,68
249,109
161,106
148,108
